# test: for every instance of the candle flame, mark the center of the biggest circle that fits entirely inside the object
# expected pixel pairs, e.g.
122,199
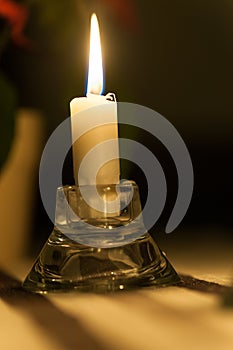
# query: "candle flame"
95,73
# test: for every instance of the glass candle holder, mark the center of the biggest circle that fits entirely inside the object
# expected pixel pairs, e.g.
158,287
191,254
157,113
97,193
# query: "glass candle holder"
99,244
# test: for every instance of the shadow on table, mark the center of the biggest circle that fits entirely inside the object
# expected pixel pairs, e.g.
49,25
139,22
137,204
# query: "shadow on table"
66,330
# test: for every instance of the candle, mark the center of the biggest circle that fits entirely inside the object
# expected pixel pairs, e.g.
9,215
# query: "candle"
109,173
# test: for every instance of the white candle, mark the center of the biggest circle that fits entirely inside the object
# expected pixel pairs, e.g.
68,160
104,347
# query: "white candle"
110,172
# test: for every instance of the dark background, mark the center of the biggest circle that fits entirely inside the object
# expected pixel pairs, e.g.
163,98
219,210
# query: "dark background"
172,56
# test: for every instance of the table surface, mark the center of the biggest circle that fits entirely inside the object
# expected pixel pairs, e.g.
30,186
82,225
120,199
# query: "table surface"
167,318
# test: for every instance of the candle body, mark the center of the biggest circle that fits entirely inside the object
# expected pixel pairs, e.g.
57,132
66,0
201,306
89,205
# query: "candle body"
86,112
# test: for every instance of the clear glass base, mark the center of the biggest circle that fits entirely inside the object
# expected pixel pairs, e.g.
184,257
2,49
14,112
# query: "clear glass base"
99,250
64,265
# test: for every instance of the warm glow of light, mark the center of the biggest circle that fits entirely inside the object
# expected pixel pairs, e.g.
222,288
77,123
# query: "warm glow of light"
95,72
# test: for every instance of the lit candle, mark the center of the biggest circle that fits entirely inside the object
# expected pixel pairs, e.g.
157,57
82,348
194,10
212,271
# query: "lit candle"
109,173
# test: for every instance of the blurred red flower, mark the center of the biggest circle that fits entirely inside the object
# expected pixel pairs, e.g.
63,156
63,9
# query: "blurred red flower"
16,15
124,10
